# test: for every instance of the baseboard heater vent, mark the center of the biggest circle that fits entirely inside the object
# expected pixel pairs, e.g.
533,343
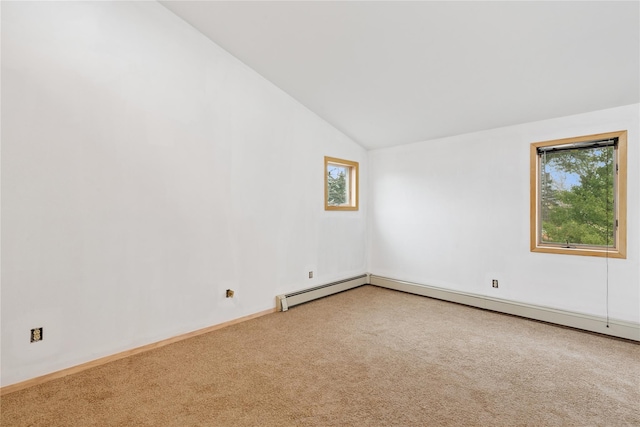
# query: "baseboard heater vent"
283,302
616,328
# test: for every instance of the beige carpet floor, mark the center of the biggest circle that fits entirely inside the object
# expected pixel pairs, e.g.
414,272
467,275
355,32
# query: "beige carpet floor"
366,357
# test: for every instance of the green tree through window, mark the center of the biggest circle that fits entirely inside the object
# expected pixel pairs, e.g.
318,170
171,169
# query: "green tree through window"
337,183
579,195
340,185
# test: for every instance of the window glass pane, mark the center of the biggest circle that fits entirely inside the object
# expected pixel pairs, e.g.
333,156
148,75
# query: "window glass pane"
338,185
577,197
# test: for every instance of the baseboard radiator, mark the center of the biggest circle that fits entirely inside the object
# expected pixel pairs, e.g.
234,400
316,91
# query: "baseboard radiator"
283,302
616,328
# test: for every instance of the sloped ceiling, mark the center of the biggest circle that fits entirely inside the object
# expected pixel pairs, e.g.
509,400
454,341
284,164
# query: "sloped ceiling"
390,73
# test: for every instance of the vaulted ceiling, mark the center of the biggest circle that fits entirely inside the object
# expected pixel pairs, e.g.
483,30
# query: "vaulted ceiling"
389,73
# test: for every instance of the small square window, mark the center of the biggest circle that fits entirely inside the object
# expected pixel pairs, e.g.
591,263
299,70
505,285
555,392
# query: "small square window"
340,185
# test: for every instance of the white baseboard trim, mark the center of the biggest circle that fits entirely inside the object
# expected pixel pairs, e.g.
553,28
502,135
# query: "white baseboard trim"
617,328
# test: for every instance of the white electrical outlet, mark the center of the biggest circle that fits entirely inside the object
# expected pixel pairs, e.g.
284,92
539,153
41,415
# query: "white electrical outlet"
37,334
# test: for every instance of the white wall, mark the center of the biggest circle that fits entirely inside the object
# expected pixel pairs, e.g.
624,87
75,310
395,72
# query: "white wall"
145,171
454,213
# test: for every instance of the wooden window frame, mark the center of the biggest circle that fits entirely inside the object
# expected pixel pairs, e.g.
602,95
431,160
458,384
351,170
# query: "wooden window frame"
620,185
353,168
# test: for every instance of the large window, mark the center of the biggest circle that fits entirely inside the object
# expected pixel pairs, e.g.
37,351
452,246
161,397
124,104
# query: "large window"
578,195
340,184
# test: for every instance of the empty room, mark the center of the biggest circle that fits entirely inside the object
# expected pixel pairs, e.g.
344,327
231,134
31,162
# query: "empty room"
320,213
